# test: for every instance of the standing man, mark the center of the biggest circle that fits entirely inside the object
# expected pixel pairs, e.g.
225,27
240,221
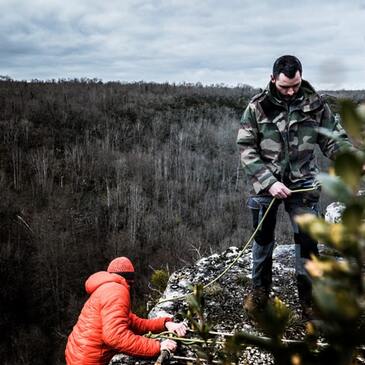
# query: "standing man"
277,138
107,326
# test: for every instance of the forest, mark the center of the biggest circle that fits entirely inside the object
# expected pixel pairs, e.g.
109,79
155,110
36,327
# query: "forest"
90,171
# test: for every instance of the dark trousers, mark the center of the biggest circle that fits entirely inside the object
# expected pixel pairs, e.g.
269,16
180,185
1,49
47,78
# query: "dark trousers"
263,245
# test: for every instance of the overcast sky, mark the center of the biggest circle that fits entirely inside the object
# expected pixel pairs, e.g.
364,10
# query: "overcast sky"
214,41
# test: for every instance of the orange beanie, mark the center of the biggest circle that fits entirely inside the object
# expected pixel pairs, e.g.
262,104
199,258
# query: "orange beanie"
120,264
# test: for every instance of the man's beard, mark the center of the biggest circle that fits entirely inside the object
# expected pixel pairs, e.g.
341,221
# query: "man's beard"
287,98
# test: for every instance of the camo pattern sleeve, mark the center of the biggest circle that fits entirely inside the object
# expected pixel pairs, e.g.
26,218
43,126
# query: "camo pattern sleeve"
258,173
331,147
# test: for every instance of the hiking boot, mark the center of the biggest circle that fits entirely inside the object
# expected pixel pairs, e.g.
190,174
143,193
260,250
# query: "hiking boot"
256,301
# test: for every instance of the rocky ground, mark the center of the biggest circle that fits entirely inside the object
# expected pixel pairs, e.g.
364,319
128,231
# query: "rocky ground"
224,299
223,307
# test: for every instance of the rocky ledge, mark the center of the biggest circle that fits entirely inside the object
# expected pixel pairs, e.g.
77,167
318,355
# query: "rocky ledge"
224,299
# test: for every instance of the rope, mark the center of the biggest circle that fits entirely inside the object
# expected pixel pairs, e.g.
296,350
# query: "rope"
241,252
197,360
172,336
191,341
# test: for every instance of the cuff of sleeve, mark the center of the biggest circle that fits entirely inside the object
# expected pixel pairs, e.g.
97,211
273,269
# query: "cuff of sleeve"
343,148
169,319
264,185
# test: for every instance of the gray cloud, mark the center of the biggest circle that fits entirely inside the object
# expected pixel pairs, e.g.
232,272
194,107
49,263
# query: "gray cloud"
182,40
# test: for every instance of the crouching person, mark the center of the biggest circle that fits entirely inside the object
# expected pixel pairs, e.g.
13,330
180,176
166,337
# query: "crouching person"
106,325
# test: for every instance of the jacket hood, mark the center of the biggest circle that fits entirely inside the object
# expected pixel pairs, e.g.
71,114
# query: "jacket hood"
103,277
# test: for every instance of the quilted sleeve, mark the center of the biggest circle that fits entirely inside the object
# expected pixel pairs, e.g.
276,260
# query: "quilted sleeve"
141,325
115,308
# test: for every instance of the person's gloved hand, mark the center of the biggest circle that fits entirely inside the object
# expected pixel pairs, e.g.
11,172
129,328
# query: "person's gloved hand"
168,345
178,328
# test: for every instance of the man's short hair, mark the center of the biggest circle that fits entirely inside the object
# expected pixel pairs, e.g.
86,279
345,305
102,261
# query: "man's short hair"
288,65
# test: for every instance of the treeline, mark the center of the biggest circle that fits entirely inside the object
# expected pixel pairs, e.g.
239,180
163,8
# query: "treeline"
92,170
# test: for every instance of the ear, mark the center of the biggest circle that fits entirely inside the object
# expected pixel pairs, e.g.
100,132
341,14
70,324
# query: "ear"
272,77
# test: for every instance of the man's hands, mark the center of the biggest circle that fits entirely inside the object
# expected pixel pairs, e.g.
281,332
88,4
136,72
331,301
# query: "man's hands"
279,190
168,345
178,328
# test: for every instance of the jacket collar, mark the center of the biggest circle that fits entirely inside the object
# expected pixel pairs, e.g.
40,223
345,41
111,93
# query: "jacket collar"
307,98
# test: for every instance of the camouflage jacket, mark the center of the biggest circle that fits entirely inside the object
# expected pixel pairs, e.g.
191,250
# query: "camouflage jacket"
277,140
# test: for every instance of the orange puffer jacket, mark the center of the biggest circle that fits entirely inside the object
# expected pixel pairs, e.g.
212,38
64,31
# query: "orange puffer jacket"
106,325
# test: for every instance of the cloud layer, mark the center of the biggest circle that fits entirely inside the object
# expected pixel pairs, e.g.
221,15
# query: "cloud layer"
209,41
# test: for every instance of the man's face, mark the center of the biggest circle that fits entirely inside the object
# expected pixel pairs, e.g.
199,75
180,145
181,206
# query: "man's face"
287,87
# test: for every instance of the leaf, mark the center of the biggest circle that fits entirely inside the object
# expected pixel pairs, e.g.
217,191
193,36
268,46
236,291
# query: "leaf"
280,308
361,111
274,318
330,134
336,235
335,302
349,167
351,119
352,217
329,267
334,187
316,227
192,301
342,240
304,220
